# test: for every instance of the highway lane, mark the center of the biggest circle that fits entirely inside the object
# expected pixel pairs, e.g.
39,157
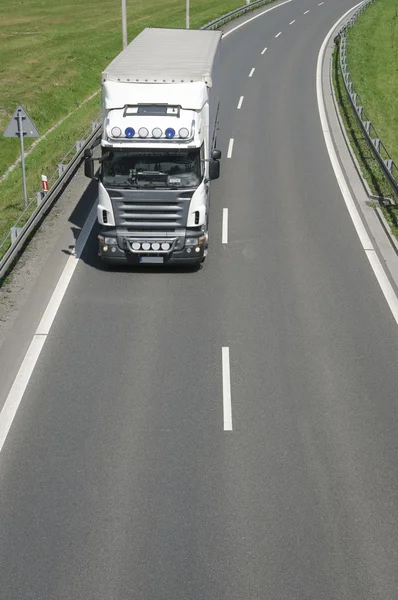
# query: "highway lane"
118,480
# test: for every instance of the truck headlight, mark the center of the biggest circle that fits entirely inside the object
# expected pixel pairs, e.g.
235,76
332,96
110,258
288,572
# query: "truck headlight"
195,241
111,241
191,241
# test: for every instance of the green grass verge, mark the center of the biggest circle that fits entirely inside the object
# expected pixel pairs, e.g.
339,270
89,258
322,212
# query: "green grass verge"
369,42
373,62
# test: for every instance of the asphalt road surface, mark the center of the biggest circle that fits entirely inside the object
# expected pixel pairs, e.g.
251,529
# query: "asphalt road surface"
130,472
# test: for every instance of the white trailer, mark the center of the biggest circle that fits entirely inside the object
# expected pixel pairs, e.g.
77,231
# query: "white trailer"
160,108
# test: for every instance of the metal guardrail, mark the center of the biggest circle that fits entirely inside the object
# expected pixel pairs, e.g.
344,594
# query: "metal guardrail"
30,218
383,157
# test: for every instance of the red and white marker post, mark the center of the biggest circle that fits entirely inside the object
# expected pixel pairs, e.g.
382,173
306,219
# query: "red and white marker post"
44,183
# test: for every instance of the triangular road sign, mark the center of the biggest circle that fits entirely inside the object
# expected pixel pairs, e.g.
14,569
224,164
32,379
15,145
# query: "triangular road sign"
28,128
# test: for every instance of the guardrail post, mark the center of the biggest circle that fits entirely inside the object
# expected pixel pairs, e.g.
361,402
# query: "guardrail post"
376,144
94,126
366,124
359,111
15,231
388,164
354,97
79,145
40,197
61,169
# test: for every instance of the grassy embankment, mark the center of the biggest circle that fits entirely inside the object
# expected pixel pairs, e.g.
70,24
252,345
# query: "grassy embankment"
52,57
373,64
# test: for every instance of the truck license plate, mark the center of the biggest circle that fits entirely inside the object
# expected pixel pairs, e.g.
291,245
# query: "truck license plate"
151,259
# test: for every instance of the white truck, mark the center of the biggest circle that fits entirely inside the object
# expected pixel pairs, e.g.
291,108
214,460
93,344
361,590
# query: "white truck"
160,107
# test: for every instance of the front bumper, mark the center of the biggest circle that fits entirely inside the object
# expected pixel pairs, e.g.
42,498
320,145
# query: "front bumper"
122,253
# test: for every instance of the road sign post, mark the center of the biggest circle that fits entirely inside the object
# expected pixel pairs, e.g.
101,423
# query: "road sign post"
21,125
187,15
20,128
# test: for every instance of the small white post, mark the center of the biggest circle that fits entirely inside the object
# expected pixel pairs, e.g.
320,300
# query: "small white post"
187,15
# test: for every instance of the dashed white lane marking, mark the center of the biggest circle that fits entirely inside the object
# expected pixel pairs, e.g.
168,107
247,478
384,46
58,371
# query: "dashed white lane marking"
278,34
264,51
252,71
306,12
367,245
320,4
226,388
291,22
24,374
230,147
255,17
240,103
224,237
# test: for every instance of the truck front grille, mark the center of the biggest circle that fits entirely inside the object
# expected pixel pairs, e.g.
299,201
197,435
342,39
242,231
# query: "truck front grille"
156,210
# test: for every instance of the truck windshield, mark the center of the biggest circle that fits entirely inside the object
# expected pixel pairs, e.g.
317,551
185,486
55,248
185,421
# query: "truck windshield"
152,169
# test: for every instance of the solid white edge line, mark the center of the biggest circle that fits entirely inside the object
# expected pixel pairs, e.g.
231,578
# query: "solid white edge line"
31,357
240,102
230,147
18,388
291,22
226,387
252,71
224,237
255,17
367,245
278,34
264,51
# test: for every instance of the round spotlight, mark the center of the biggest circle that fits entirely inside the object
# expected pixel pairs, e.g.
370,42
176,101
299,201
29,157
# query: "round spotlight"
183,133
136,245
146,246
165,246
129,132
143,132
116,132
155,246
157,132
170,132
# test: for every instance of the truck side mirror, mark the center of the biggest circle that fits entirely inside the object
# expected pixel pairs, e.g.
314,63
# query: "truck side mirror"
214,169
216,154
89,167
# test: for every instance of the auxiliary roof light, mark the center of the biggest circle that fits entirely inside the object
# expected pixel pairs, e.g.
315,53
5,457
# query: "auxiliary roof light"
116,132
157,132
183,133
143,132
129,132
170,132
